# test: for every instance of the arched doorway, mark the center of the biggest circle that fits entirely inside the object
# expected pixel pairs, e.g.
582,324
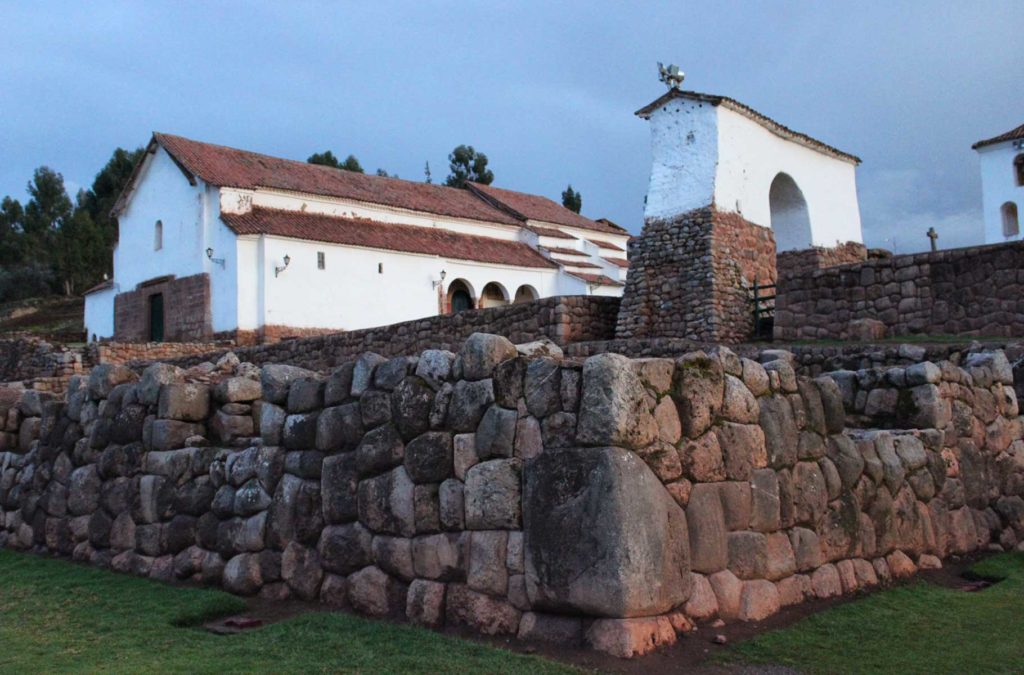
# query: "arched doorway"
791,223
493,295
1011,223
525,293
460,296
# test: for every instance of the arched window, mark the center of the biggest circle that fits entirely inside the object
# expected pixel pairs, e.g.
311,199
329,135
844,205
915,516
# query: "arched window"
791,223
1011,224
158,235
525,293
1018,168
493,295
460,296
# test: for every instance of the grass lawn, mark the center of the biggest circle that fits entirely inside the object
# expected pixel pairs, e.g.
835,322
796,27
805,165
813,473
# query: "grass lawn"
921,628
59,616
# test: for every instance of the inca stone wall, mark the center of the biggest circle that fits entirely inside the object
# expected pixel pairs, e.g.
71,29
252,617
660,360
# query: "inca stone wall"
610,502
966,291
690,277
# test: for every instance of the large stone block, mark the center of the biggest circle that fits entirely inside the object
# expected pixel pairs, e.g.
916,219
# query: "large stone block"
481,353
185,402
614,409
411,404
542,387
493,495
468,403
602,536
491,616
276,380
698,388
386,503
345,548
339,428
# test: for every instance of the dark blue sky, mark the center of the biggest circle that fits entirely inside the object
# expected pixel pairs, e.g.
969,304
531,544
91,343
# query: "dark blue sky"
547,90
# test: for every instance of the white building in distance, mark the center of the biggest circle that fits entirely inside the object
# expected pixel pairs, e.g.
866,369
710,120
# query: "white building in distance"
714,151
1002,184
222,243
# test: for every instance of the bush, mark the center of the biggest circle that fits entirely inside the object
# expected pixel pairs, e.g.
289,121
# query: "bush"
26,281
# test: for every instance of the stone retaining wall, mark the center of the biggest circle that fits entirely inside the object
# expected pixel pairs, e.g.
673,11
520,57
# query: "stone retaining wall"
561,319
611,502
965,291
28,359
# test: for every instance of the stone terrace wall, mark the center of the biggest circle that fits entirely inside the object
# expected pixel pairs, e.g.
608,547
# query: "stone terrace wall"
805,261
561,319
611,503
26,359
966,291
118,353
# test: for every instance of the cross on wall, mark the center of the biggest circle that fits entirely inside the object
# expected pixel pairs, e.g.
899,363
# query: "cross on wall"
933,236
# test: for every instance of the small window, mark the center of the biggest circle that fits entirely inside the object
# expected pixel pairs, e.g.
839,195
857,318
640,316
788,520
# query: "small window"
380,268
1018,168
321,263
1011,224
158,235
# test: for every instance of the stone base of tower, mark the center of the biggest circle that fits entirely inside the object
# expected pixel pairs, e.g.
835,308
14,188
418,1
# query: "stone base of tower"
690,277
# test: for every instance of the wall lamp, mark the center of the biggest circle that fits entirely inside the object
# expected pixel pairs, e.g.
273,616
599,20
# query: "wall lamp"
215,261
287,262
443,275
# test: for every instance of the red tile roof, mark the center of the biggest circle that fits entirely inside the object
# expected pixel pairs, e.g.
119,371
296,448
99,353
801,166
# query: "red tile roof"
535,207
550,232
1011,135
605,245
584,265
101,286
228,167
567,251
386,236
598,279
747,111
617,261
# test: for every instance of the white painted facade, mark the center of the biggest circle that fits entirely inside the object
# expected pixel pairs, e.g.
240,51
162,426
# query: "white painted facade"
707,153
1002,195
358,287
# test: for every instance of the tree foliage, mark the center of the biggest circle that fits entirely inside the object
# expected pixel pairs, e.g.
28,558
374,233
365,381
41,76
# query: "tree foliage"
327,158
467,165
55,244
571,199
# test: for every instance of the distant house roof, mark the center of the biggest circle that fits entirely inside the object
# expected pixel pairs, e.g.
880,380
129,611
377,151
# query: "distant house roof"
386,236
598,279
550,232
101,286
1011,135
535,207
617,261
228,167
747,111
606,245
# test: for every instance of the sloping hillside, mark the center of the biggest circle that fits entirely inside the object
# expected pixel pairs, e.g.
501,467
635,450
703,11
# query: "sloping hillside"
58,318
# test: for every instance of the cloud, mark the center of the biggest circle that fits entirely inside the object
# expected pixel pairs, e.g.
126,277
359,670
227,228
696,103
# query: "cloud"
899,206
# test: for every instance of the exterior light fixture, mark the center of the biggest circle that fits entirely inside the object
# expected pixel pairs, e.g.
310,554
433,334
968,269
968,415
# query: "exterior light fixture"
443,275
287,261
215,261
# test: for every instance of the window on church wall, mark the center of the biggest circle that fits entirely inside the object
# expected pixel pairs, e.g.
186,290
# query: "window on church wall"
158,235
459,297
1011,221
321,260
1018,169
791,223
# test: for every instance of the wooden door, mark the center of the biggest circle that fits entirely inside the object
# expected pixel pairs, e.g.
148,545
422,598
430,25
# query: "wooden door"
156,317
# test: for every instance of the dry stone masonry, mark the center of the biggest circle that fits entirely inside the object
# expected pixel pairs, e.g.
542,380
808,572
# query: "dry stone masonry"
610,501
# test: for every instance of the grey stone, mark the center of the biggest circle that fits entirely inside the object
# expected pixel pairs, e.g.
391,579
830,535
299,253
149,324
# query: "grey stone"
599,527
832,404
276,380
452,505
780,431
481,353
440,556
435,367
495,437
847,459
707,529
339,482
492,495
300,569
380,450
171,434
469,402
509,378
428,457
386,503
362,372
271,424
345,549
338,387
153,377
394,556
300,431
614,408
238,390
339,428
698,388
305,394
487,553
542,387
411,404
188,403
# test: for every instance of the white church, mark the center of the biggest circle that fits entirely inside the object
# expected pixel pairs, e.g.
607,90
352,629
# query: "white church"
216,242
1002,184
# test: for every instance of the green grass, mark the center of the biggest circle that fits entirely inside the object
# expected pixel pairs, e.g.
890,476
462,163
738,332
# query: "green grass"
57,616
920,628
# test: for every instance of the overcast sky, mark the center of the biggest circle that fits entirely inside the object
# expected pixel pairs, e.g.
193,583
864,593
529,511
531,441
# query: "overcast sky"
546,90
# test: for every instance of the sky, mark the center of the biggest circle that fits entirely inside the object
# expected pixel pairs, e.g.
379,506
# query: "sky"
546,90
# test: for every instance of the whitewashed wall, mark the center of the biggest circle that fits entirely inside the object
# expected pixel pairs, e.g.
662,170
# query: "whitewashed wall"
750,157
684,154
99,314
998,186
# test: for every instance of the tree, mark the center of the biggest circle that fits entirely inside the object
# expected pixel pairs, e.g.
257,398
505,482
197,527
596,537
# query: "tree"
572,200
325,158
426,172
351,164
47,210
467,165
99,201
384,174
11,215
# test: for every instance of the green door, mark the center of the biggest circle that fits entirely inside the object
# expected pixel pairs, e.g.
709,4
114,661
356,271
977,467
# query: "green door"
156,317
